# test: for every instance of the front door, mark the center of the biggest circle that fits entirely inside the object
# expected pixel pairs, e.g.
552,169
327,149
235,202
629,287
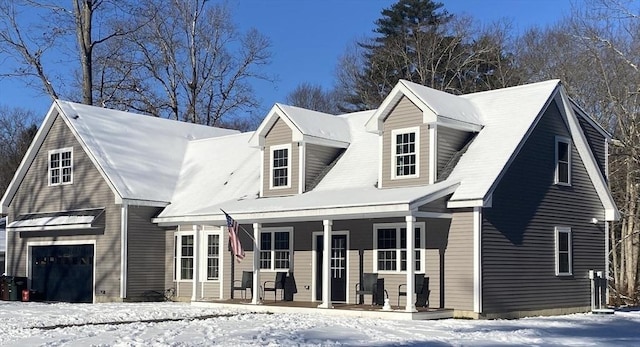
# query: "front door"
338,267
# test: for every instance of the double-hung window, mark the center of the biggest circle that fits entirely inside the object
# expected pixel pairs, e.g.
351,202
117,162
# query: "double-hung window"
564,265
213,256
390,243
405,153
183,257
275,249
281,166
60,166
563,161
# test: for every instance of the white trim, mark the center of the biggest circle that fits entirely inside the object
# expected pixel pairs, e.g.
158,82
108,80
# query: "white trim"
394,133
423,214
272,230
177,256
53,227
398,249
606,256
314,263
466,203
60,152
204,250
139,202
262,172
380,160
31,244
257,232
221,274
477,259
302,149
288,167
433,153
124,249
556,176
557,231
196,264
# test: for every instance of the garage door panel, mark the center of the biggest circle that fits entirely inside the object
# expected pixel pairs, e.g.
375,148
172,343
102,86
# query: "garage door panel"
63,272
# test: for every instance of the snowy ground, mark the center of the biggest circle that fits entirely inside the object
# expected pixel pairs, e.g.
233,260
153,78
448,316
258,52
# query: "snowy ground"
175,324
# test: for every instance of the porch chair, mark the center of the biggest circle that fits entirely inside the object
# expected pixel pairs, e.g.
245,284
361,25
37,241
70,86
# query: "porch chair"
369,286
244,284
273,286
422,291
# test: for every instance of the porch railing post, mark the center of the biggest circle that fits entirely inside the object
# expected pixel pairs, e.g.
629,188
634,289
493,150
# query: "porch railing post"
411,264
326,265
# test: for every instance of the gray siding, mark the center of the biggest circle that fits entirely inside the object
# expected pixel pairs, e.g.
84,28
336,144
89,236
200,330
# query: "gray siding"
280,134
89,190
597,143
404,115
449,141
458,262
518,243
146,253
317,159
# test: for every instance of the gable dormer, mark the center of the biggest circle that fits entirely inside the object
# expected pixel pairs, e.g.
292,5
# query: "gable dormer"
298,146
423,132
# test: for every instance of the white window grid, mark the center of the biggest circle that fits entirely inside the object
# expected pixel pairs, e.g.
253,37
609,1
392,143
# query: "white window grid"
405,153
280,169
276,249
392,259
60,162
562,175
563,251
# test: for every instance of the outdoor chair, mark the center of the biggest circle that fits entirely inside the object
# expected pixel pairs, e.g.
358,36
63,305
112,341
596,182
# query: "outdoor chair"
244,284
369,286
273,286
422,291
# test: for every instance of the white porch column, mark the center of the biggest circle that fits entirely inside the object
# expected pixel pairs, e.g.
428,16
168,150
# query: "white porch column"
411,264
326,265
255,296
196,263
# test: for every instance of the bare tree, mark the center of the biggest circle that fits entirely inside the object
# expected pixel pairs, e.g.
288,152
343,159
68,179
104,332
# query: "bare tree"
17,129
313,97
189,62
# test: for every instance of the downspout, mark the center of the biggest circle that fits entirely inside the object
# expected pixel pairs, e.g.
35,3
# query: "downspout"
124,244
477,260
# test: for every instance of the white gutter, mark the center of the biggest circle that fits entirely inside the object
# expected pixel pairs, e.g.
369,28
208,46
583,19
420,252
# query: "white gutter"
124,216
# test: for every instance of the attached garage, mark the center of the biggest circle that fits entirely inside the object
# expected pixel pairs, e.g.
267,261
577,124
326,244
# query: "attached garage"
63,272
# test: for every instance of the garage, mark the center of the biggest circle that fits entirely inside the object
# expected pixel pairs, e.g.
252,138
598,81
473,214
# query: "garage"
62,272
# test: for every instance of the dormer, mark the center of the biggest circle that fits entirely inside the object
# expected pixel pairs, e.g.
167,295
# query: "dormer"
423,132
298,146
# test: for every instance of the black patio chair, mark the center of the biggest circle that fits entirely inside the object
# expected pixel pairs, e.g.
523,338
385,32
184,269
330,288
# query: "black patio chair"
422,291
273,286
367,287
244,284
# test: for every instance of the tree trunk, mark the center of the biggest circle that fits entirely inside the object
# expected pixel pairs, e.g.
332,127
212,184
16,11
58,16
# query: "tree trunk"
83,16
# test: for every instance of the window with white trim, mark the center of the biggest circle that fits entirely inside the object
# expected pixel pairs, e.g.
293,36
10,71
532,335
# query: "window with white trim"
60,166
564,266
183,257
563,161
281,166
276,249
213,256
405,152
390,247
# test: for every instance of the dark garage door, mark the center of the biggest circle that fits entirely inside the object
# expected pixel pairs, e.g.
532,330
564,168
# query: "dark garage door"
63,273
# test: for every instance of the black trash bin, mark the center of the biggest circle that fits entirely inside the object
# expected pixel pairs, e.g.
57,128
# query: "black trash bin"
15,287
4,291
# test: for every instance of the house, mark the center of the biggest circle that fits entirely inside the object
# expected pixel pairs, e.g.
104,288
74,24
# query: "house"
500,197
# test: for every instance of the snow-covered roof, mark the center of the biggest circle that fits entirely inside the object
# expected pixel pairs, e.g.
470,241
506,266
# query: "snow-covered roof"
304,126
507,116
140,155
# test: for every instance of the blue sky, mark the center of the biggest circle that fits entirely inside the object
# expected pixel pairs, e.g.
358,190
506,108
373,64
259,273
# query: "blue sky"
308,37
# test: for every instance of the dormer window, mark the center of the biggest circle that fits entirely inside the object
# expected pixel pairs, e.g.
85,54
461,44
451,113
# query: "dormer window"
405,152
61,166
563,161
280,166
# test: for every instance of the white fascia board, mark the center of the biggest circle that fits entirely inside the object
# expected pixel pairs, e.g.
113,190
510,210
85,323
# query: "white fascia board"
274,114
582,113
53,227
137,202
374,124
458,125
588,159
324,142
435,195
466,203
335,213
424,214
29,156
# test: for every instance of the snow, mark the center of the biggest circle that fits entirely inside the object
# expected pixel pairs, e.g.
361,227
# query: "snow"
180,324
140,155
333,128
52,221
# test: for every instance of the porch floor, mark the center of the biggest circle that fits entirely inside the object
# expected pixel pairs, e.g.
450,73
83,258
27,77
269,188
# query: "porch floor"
339,309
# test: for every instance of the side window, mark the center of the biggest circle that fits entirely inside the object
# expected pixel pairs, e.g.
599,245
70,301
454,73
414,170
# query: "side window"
564,266
275,249
60,166
183,257
405,153
563,161
281,166
213,257
390,247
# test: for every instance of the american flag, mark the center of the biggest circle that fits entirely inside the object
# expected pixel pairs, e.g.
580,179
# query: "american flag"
236,246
